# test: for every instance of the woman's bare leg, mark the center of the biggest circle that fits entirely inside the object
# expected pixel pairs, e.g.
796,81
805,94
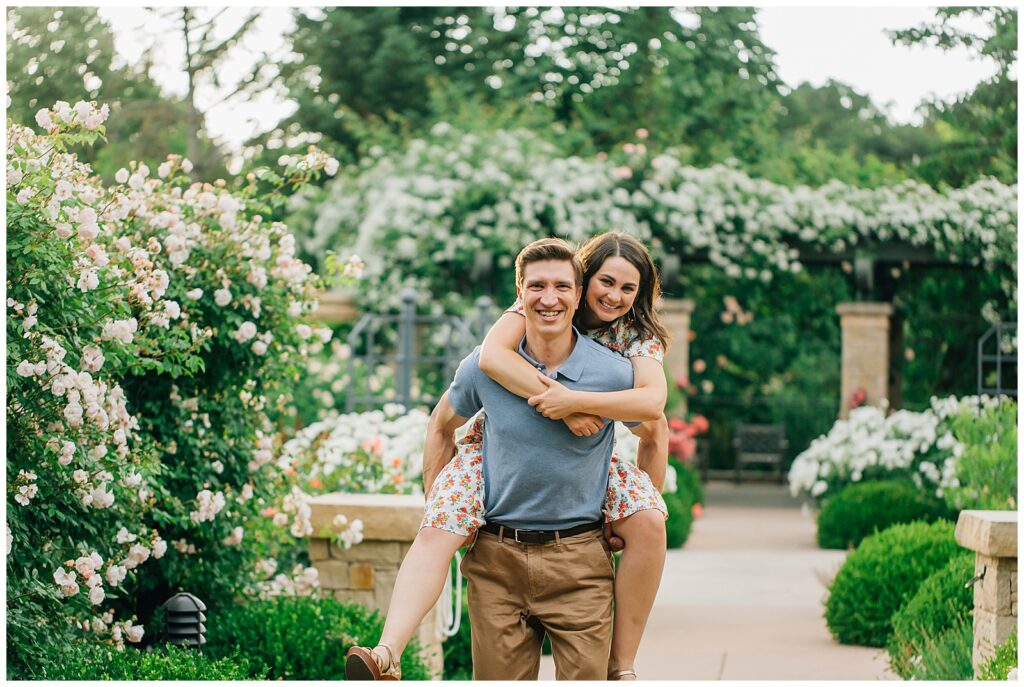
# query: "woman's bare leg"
636,582
418,586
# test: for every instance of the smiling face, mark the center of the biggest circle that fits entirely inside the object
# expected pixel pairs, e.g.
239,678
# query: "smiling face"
611,290
550,297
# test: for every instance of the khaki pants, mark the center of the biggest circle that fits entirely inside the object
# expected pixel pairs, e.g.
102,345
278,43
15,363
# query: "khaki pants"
517,592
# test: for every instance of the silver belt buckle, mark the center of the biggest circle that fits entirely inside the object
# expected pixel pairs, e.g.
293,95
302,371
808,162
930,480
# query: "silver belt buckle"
516,535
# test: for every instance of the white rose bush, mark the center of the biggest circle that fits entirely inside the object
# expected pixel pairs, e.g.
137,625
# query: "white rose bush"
380,451
429,213
150,325
871,445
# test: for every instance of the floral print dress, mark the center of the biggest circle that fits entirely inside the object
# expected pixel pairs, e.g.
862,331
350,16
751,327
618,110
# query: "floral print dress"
456,499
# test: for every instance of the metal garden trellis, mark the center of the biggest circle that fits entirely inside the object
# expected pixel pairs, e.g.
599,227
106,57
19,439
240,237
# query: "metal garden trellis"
1004,358
461,336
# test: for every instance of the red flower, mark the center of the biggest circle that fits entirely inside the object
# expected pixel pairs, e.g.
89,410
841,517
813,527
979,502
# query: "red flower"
858,397
697,510
682,446
700,424
677,424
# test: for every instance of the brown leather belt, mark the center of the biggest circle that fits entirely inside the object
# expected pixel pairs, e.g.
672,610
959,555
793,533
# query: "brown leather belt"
537,536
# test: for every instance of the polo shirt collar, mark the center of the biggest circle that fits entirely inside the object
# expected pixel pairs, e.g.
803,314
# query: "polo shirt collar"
573,366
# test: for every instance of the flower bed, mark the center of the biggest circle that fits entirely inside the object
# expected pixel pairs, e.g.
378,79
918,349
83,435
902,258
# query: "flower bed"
871,445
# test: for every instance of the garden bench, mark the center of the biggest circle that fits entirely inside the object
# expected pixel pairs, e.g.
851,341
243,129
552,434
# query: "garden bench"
763,444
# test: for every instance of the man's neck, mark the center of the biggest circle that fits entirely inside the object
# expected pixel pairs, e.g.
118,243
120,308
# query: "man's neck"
551,352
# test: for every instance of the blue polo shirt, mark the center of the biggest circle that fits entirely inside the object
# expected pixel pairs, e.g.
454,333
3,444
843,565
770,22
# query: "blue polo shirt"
538,475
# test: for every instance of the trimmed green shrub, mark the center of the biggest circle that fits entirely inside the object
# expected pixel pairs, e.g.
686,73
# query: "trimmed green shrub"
881,575
859,510
458,649
680,521
687,481
1003,662
680,504
103,662
301,638
947,655
935,607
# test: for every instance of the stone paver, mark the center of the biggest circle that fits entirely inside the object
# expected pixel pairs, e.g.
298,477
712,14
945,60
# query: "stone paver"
743,599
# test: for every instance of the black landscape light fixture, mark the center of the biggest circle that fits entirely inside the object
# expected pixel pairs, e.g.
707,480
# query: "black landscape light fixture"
184,624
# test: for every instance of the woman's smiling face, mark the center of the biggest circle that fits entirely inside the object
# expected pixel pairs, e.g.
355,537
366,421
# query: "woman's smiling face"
612,289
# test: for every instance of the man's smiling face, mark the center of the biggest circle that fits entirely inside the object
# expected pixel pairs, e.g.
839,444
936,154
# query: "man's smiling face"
550,296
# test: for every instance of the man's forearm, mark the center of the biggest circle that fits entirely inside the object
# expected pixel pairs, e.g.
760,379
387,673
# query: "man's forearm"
439,444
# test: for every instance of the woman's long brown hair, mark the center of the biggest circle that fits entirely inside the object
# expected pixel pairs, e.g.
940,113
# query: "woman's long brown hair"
612,244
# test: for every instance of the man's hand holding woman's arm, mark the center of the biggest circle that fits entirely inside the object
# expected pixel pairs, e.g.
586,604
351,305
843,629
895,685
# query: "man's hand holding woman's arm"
439,447
644,402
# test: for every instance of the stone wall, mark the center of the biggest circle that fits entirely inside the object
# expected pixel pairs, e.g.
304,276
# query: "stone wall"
366,573
992,535
336,307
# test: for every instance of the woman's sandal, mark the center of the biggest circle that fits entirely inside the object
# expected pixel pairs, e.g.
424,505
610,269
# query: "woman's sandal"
619,674
362,663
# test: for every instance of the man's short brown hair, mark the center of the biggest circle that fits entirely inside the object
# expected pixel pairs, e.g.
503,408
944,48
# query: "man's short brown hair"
548,249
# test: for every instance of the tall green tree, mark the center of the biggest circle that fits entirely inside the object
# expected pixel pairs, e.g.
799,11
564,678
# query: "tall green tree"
833,132
703,79
978,131
207,49
68,53
58,54
359,74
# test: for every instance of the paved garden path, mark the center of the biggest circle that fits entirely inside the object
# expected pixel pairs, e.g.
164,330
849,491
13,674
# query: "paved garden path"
743,599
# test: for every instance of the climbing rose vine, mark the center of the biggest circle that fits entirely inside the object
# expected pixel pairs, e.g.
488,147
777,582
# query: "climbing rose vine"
454,204
151,325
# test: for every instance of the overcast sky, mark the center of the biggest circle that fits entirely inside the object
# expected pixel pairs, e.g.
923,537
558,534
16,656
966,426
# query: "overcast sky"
811,44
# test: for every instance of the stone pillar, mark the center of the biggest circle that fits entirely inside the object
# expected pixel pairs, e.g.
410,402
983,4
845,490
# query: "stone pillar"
992,535
366,573
865,352
336,307
675,315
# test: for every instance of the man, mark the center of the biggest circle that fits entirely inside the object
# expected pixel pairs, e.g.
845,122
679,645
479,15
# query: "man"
541,564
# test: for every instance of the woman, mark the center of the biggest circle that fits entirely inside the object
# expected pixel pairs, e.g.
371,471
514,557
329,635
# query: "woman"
620,285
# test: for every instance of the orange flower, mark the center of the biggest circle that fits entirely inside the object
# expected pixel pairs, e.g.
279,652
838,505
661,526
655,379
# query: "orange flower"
316,483
697,510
